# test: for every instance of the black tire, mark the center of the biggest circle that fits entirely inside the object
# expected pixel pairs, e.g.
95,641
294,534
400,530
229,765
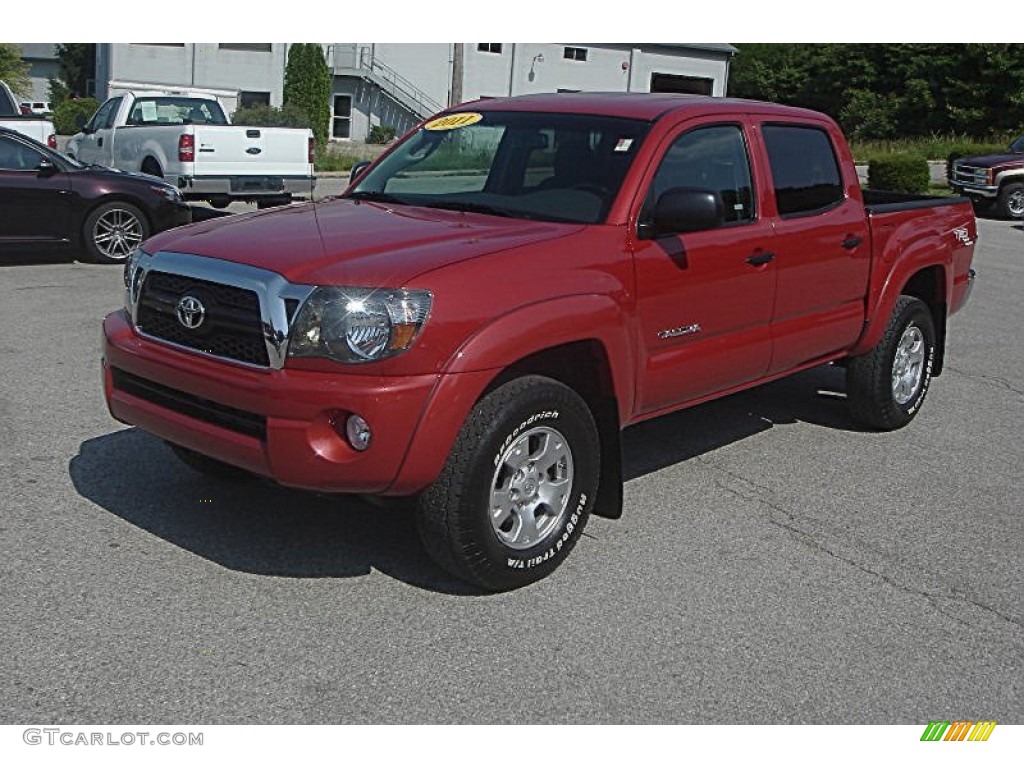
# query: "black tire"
220,202
112,231
208,466
879,397
544,418
1010,204
152,167
273,202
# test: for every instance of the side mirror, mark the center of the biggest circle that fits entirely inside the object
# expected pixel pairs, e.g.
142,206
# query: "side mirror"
357,169
46,168
80,121
685,209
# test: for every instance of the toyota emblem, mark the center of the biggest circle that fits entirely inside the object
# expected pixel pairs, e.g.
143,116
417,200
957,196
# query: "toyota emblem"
190,312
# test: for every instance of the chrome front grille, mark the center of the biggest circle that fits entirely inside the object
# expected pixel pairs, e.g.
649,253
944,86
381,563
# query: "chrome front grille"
217,308
231,326
968,174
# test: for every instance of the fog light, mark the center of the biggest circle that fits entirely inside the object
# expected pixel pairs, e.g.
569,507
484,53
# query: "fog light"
358,432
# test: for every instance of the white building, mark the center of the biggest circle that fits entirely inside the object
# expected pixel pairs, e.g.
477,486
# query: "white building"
42,65
397,84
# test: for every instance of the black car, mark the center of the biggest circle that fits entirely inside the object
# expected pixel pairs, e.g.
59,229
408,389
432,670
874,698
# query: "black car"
47,199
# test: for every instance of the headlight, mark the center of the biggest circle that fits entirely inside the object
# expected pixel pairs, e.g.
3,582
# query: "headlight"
358,325
167,192
132,279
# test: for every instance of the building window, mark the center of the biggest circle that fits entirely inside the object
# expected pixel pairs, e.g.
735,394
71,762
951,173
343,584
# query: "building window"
253,98
256,47
666,83
163,45
575,54
341,127
489,47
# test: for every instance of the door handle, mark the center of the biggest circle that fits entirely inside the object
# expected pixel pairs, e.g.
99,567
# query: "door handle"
851,242
757,259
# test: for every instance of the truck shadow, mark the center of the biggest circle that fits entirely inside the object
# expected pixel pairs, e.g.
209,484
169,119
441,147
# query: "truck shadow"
260,528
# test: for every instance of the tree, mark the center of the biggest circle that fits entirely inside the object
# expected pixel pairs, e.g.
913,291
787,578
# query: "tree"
13,70
888,90
307,86
77,62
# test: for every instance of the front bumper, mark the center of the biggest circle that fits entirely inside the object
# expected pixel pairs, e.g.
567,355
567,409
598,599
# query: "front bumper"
276,423
169,215
975,190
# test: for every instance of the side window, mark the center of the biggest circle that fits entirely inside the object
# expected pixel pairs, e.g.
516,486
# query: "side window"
115,104
712,158
99,120
15,156
804,169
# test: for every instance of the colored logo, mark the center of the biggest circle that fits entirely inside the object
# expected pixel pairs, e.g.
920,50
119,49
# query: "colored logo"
958,730
451,122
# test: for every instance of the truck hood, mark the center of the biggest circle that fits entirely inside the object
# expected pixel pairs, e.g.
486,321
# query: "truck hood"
345,242
990,161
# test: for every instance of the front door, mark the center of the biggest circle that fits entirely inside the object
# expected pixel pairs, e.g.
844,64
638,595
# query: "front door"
35,205
96,146
704,299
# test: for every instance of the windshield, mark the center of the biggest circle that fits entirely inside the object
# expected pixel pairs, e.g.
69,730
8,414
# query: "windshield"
547,166
175,110
1018,145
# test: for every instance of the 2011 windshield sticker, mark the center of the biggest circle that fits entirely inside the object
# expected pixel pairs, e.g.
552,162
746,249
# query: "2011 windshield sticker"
452,122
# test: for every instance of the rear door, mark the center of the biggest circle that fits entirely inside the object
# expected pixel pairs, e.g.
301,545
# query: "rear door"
822,247
36,207
704,299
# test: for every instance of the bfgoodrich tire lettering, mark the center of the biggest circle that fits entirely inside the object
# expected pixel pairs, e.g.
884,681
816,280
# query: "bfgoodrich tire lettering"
887,386
517,488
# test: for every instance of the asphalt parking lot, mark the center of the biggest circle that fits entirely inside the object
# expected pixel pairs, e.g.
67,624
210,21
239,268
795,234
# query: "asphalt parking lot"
774,563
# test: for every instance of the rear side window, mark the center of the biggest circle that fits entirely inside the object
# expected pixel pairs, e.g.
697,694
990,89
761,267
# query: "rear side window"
7,107
804,169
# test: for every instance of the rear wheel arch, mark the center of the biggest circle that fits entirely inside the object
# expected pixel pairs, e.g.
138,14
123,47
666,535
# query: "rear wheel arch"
929,285
152,166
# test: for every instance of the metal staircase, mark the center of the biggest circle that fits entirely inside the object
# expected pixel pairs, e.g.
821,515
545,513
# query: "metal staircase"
362,63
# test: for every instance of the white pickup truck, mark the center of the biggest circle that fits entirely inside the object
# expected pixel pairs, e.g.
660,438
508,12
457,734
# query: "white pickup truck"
11,116
185,138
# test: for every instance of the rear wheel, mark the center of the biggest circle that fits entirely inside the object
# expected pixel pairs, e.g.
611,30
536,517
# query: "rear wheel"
887,386
113,231
518,487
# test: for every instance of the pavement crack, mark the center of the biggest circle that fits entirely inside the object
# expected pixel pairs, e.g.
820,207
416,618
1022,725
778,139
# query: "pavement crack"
996,381
746,491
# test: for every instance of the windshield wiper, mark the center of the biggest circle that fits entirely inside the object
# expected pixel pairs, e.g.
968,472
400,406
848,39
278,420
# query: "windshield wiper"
375,197
469,207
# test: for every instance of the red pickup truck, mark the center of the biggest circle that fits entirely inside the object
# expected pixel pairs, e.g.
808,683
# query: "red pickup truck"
477,317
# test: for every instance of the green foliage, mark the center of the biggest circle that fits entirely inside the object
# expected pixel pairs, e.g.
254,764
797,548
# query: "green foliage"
381,134
14,71
77,66
58,91
934,147
65,116
265,116
307,86
333,157
899,173
884,91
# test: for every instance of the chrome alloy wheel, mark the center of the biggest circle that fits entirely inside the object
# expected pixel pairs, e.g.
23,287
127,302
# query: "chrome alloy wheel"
1015,204
530,487
117,233
908,365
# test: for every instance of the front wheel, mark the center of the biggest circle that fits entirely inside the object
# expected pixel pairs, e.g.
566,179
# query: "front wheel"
1011,201
887,386
113,231
517,488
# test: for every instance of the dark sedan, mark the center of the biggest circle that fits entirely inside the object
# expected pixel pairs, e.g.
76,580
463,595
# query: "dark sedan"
49,200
